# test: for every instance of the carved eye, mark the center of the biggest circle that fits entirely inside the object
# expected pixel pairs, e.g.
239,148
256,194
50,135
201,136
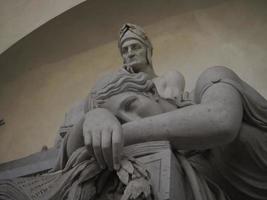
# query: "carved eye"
124,50
128,104
136,46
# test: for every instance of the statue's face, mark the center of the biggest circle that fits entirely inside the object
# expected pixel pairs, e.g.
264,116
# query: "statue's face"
130,106
134,54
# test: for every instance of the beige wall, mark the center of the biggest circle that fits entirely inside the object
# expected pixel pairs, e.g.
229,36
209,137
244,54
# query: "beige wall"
20,17
46,72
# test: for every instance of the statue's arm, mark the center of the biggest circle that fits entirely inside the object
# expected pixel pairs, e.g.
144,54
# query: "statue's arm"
214,121
75,137
101,132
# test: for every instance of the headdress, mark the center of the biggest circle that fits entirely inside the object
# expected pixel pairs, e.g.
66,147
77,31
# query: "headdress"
132,31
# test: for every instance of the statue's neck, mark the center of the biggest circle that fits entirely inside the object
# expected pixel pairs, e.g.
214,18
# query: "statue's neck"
150,71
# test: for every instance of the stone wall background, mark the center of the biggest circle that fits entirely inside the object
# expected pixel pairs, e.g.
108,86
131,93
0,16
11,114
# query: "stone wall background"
52,68
19,18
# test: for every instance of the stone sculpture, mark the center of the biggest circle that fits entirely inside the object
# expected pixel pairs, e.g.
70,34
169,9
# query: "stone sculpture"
225,119
218,132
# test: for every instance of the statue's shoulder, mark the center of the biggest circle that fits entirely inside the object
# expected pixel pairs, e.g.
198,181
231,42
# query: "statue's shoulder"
77,111
175,79
212,76
72,117
173,76
170,84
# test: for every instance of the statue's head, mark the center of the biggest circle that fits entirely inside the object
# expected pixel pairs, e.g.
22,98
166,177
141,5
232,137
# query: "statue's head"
135,47
129,96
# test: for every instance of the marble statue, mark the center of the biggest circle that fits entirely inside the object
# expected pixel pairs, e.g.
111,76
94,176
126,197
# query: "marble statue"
218,132
225,122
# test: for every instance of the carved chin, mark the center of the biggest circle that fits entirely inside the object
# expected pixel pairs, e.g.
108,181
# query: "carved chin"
136,65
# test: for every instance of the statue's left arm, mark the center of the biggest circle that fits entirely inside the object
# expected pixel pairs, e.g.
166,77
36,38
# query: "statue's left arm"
215,120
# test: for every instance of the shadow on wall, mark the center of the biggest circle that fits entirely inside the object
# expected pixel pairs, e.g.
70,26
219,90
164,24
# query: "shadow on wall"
84,27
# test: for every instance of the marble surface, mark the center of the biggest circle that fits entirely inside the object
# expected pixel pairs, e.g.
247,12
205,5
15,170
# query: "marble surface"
50,69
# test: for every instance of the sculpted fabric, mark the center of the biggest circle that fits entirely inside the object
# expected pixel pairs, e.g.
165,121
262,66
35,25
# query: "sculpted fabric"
241,166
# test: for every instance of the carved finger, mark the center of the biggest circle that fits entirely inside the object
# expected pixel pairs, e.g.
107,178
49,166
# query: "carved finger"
107,148
88,142
117,144
87,138
96,140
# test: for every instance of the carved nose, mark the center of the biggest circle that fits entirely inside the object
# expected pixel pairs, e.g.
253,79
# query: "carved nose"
130,53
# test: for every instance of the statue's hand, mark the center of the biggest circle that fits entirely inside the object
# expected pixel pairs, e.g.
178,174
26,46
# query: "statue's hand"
103,136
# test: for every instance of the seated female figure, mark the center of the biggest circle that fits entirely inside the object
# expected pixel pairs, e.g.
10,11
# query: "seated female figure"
228,119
